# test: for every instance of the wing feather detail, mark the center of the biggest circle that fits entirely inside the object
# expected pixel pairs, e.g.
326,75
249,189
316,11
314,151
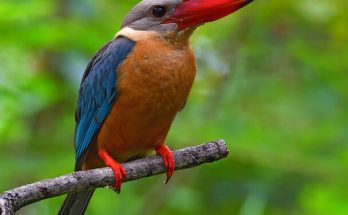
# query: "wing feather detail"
98,91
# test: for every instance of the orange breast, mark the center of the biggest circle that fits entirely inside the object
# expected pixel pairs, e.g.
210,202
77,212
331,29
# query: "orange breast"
153,84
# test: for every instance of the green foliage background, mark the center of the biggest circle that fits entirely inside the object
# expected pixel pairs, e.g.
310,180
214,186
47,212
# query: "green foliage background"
272,81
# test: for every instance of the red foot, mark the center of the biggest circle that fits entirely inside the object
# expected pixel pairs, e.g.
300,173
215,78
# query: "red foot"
116,168
168,160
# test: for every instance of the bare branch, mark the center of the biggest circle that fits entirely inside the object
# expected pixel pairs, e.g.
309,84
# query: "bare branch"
13,200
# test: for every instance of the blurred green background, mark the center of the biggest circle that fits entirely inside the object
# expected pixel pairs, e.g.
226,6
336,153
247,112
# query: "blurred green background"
272,82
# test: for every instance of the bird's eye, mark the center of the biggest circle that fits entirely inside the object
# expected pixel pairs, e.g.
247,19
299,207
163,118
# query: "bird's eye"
159,11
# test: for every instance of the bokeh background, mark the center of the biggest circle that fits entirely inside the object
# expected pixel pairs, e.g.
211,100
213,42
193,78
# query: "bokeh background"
272,82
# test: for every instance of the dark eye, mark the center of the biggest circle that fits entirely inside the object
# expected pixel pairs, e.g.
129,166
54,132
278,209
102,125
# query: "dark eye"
159,11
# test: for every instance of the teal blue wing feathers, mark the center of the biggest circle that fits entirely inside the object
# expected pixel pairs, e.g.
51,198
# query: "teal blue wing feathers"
98,92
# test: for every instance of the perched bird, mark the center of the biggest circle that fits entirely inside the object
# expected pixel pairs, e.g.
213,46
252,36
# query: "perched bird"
136,84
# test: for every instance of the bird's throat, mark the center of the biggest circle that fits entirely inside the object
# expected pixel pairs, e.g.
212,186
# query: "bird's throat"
176,38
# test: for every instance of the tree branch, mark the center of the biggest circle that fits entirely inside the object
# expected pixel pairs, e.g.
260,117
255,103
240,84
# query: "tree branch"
13,200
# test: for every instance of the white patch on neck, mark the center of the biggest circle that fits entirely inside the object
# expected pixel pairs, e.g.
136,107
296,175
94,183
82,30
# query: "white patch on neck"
136,35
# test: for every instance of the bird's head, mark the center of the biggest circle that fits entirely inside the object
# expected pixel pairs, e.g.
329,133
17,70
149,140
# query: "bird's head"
175,16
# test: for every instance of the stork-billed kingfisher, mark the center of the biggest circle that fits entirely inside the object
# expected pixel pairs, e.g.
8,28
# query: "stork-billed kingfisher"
136,84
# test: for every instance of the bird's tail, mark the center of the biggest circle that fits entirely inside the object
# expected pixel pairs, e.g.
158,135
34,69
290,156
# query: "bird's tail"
76,203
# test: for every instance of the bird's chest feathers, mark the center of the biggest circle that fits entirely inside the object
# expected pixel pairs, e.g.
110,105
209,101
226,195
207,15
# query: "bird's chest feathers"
157,74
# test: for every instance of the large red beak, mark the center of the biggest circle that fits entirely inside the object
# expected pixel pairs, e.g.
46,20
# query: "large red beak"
195,12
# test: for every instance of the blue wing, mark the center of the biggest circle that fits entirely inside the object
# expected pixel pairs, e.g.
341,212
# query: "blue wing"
98,91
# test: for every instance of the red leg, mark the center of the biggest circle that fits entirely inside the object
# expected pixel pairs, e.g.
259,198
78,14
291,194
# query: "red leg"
168,160
116,168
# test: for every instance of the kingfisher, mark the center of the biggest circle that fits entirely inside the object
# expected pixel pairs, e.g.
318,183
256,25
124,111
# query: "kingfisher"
135,85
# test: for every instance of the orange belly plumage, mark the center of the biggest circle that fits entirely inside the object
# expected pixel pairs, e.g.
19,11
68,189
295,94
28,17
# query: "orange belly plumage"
153,85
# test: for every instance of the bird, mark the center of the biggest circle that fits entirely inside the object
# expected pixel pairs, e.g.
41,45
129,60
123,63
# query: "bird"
135,85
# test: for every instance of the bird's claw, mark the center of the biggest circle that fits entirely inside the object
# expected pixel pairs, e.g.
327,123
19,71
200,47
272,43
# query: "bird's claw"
119,173
117,168
168,160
